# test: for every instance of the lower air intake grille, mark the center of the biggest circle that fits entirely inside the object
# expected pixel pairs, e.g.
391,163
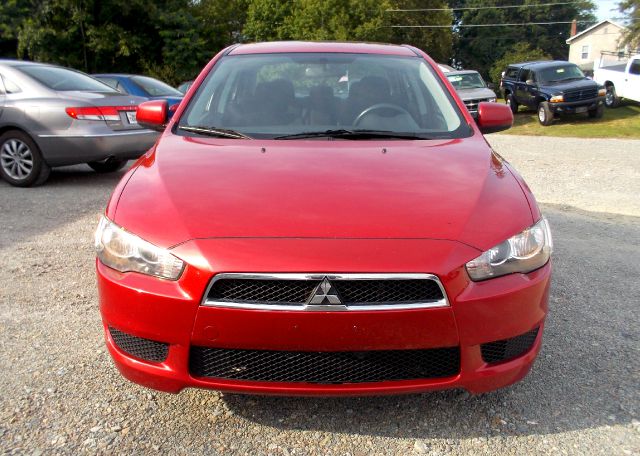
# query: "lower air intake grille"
504,350
145,349
324,367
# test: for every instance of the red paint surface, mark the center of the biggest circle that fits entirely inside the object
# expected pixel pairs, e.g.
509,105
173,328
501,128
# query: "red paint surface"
323,206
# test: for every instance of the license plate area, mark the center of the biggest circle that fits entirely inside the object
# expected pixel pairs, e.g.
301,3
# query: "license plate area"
581,109
131,117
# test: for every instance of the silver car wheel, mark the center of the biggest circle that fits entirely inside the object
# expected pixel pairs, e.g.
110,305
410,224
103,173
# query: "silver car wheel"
16,159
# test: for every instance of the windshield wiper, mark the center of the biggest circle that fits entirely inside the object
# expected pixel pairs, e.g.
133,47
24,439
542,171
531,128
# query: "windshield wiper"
352,134
218,132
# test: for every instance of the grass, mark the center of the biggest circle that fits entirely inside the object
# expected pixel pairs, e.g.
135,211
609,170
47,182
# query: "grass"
621,122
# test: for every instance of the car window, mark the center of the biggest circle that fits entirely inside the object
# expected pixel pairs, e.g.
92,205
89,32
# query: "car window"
524,75
511,73
466,81
112,82
63,79
272,95
155,88
634,68
9,85
560,73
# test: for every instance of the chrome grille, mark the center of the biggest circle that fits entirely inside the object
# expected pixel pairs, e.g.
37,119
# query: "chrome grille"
299,291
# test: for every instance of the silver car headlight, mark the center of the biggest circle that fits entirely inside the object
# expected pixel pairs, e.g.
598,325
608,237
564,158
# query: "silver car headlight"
523,253
126,252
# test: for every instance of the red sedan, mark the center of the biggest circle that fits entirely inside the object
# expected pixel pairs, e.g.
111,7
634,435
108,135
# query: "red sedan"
323,219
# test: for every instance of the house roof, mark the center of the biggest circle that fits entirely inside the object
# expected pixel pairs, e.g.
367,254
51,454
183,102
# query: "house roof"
593,27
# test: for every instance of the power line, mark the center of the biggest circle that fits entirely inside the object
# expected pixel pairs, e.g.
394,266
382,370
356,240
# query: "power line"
489,25
475,8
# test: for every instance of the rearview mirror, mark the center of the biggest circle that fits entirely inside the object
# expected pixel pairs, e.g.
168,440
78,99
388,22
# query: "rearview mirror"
493,117
153,114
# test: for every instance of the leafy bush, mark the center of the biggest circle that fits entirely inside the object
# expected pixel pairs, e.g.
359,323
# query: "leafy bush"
521,52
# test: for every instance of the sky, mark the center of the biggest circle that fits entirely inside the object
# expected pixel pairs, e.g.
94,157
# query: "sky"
607,9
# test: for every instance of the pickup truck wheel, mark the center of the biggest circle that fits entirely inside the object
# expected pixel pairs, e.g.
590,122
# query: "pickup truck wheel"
109,165
21,163
611,99
513,104
545,116
597,113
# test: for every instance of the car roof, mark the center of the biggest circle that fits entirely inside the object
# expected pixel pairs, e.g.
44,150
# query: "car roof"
451,73
321,46
540,63
14,62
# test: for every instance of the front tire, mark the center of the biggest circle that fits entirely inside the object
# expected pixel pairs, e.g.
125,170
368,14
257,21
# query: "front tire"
512,103
21,162
110,165
545,116
611,99
597,113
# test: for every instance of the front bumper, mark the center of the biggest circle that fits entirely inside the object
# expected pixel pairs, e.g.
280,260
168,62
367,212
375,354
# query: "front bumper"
575,107
170,312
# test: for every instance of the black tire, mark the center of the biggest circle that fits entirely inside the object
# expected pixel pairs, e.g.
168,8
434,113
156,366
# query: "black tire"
611,99
512,103
21,162
110,165
545,116
597,113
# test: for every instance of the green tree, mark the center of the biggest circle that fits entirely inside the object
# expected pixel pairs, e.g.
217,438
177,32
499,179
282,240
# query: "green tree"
265,20
344,20
12,15
406,21
479,47
358,20
521,52
632,9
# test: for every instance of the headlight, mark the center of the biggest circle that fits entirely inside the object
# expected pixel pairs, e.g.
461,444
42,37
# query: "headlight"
557,99
491,100
602,92
126,252
523,252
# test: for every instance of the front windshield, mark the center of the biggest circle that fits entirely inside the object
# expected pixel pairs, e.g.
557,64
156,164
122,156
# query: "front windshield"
273,95
62,79
466,81
560,73
155,88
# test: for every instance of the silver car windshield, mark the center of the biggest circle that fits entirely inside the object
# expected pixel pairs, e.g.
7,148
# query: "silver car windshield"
278,95
62,79
466,81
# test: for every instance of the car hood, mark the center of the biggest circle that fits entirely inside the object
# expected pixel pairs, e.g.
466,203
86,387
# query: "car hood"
475,94
578,84
196,188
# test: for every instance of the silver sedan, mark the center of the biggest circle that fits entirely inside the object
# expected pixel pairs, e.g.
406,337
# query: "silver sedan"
53,116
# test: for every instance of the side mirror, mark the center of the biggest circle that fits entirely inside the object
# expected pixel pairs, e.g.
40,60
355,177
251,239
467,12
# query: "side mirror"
153,114
493,117
530,82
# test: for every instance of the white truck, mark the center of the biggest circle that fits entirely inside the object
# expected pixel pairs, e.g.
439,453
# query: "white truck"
621,79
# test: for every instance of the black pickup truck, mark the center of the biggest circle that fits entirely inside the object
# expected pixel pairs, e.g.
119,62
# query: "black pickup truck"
553,88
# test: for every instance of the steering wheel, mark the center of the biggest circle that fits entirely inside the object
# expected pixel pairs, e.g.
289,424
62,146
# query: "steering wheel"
378,107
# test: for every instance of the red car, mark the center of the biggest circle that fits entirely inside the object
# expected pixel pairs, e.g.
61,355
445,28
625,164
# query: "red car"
323,219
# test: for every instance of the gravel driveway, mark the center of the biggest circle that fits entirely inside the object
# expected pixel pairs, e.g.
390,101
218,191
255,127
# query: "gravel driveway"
60,393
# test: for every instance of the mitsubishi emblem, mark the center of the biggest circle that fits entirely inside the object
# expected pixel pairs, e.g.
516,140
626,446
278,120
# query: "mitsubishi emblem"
325,293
